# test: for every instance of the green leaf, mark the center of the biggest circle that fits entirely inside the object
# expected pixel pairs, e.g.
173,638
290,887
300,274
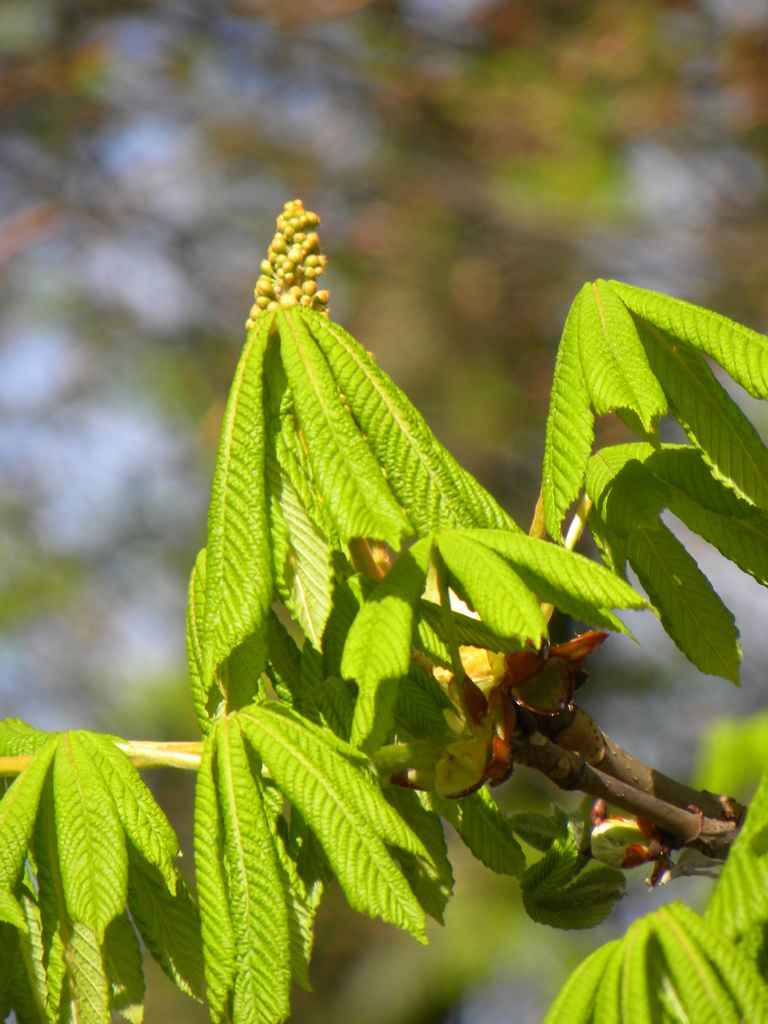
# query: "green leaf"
144,822
50,892
239,586
608,1000
431,881
18,739
420,705
614,362
347,474
342,802
697,983
740,351
212,890
31,953
304,890
638,983
570,425
539,830
8,946
572,583
18,811
561,890
710,417
201,686
430,485
89,998
740,898
576,1000
122,959
494,591
690,611
169,923
257,901
484,829
302,556
92,855
284,661
378,648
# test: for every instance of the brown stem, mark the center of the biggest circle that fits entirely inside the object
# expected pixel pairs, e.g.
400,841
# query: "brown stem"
712,834
575,730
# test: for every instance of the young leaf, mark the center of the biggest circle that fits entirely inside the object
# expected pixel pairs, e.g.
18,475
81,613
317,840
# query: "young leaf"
713,511
378,649
200,685
239,585
89,996
94,863
337,795
484,830
18,811
169,923
740,899
574,584
496,592
435,491
740,351
347,474
614,362
122,960
18,739
144,823
257,900
691,612
576,1000
431,881
709,416
570,425
212,889
302,556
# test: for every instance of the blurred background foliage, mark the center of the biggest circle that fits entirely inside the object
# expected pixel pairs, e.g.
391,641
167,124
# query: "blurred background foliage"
473,162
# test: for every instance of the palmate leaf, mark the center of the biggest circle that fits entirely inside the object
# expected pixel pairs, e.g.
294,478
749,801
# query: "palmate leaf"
430,485
570,425
200,684
90,992
431,881
741,352
239,586
377,652
670,965
346,473
627,502
614,362
330,783
710,417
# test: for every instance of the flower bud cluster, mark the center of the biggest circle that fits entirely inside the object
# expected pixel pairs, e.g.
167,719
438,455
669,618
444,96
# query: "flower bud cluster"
294,263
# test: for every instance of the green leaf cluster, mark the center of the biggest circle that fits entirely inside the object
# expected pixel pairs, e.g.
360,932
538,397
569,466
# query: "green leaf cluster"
87,868
643,355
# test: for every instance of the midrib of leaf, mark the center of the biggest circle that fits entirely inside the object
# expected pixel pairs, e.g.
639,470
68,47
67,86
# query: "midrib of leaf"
647,536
